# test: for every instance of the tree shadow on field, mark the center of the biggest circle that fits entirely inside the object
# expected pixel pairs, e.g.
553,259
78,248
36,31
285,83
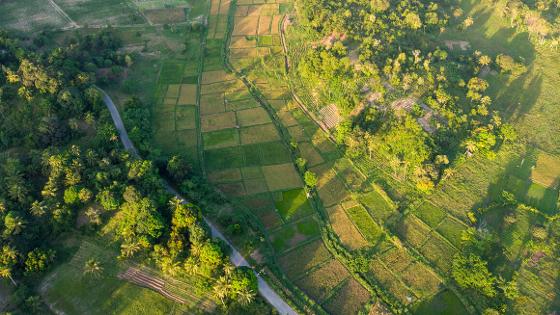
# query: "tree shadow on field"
519,97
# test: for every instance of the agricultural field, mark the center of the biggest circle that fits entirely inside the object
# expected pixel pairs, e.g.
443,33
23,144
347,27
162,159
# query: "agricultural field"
67,289
30,16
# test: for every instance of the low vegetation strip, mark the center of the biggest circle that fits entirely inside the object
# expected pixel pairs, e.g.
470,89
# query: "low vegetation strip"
138,277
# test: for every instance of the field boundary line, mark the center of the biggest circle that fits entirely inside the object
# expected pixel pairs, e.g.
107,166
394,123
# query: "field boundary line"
59,10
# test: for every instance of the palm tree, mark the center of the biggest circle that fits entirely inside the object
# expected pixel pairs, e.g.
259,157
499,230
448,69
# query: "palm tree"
221,289
38,208
93,267
8,259
93,215
246,297
129,249
228,269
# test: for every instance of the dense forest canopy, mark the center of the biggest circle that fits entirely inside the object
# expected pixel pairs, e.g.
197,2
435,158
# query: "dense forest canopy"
61,163
425,106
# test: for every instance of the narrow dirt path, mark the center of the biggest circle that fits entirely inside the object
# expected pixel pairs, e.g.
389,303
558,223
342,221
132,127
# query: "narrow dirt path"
236,258
59,10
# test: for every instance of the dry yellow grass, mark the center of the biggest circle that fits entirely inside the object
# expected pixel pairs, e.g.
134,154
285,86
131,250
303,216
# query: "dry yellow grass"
162,16
214,7
345,229
224,7
264,25
211,104
320,283
172,90
349,299
242,42
282,177
253,116
209,77
217,121
241,10
275,29
547,170
188,94
259,133
246,25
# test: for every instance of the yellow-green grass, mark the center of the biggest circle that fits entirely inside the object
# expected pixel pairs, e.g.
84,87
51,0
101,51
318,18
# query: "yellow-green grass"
349,299
70,291
391,283
452,229
345,229
332,191
223,158
253,116
243,53
423,281
413,231
308,152
218,121
320,283
252,172
220,139
292,204
217,87
537,286
365,224
437,250
259,133
186,138
297,261
286,118
291,235
547,170
171,71
185,117
443,303
212,104
216,76
187,94
226,175
241,104
430,214
173,90
267,153
29,15
282,177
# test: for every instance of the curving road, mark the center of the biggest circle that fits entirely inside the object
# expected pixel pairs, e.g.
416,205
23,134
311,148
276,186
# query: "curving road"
236,258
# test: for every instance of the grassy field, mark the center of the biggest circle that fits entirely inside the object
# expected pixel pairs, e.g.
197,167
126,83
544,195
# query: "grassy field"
66,289
28,16
101,12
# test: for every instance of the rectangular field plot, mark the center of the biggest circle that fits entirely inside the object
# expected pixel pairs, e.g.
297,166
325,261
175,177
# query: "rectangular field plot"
232,189
430,214
209,77
163,16
255,186
319,283
253,116
171,72
243,42
438,251
452,230
220,139
420,279
187,94
282,177
443,303
369,229
392,284
309,153
345,229
269,218
218,121
185,117
246,25
101,12
227,175
212,104
260,133
332,191
292,204
297,261
241,104
29,15
349,299
547,170
414,231
264,25
291,235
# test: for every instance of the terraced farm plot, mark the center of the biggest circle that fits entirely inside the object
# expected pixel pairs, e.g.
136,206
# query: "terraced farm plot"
218,121
282,177
293,204
349,299
297,261
320,283
363,221
345,229
290,235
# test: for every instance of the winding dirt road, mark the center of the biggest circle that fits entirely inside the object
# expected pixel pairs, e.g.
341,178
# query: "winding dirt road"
236,258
